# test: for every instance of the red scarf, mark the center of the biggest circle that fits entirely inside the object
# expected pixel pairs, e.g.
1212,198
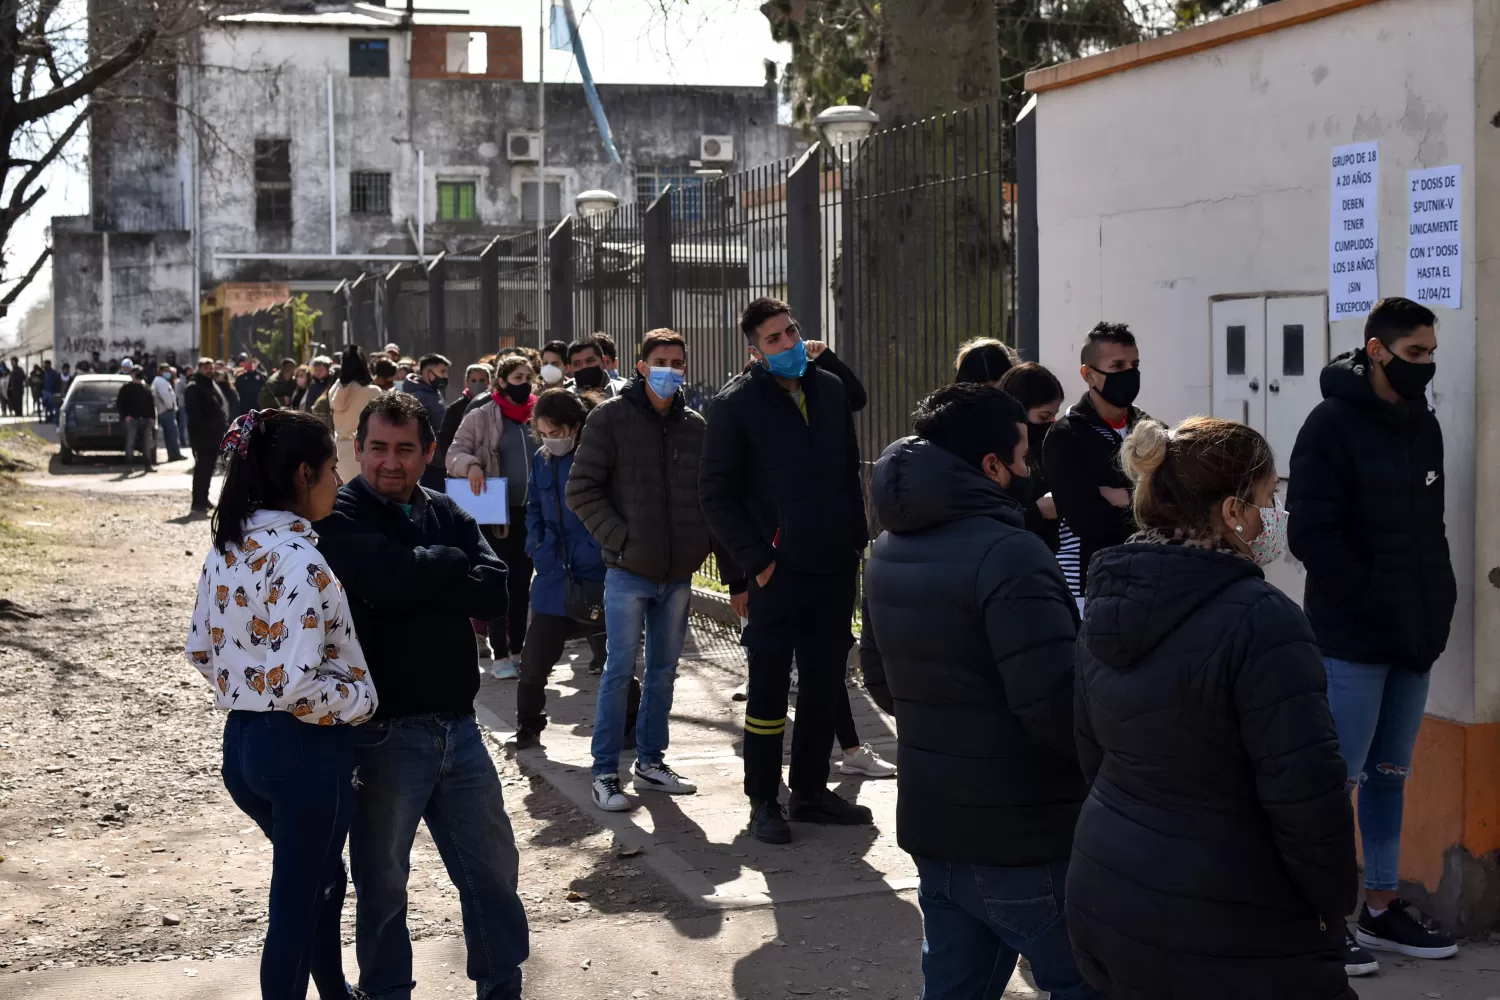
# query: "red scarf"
509,409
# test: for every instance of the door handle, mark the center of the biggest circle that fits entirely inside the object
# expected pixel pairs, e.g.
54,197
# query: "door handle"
1254,385
1274,386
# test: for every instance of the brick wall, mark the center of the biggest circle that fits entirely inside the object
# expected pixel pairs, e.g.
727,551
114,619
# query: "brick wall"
429,57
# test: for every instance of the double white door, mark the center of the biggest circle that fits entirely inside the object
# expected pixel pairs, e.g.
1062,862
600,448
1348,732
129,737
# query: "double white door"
1268,351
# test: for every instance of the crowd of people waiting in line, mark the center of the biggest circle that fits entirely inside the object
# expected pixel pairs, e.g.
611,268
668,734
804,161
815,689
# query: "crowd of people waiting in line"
1124,755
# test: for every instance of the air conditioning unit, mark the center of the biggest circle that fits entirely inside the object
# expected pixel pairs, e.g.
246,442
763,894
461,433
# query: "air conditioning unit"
716,148
523,147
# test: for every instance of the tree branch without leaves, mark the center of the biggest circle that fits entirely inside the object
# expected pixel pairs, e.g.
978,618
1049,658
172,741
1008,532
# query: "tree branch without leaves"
20,286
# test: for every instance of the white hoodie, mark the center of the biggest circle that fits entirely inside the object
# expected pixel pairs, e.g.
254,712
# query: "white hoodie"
270,630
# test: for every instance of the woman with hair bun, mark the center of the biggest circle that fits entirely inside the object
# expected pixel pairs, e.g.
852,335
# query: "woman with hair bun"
1214,856
272,635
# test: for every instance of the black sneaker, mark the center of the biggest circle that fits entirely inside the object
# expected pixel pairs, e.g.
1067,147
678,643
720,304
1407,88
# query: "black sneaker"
827,807
1404,932
1357,961
767,824
528,739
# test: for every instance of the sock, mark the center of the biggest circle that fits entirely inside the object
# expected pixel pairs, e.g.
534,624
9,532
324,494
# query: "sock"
1374,912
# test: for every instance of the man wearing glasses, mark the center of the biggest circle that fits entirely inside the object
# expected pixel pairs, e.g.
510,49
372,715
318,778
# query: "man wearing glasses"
780,488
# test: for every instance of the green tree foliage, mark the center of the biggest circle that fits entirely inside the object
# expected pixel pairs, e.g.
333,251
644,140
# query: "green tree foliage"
293,316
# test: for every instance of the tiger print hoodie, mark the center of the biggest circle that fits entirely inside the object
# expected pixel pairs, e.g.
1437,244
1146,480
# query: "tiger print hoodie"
271,632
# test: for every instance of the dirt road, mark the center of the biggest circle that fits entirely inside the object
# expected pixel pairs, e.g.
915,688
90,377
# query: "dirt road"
119,842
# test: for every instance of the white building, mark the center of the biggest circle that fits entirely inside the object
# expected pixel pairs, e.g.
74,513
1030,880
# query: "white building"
1185,188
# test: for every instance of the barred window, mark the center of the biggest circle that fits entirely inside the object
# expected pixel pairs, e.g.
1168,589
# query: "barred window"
369,193
273,181
687,190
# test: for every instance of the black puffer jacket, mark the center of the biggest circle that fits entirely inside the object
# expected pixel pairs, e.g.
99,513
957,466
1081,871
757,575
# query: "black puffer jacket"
778,488
975,625
1215,854
634,485
1366,503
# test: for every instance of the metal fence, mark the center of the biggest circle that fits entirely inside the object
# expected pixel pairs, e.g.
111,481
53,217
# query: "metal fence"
894,250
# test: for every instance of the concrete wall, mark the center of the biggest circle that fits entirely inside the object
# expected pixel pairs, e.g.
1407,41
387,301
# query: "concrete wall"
1208,174
121,292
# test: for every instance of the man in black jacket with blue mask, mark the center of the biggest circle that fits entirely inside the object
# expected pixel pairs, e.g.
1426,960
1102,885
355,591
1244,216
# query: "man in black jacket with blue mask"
976,626
779,485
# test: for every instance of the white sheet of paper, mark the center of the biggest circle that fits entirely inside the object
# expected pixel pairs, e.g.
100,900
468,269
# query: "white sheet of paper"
1435,258
1353,230
490,507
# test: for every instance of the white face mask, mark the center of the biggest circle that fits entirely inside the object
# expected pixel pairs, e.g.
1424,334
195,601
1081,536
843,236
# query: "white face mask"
551,374
558,446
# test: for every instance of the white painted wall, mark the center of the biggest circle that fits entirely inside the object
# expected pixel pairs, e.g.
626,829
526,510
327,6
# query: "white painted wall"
1208,175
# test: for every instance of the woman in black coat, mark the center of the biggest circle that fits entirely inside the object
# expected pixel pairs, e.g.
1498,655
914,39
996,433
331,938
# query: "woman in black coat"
1041,396
1214,856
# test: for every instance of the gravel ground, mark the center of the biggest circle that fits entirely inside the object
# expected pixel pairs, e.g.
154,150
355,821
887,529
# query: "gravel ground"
119,841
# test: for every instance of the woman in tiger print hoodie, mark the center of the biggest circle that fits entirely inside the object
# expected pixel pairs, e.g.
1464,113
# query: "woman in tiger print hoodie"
272,635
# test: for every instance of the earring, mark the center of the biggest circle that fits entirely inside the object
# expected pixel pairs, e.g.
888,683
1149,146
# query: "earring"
1239,529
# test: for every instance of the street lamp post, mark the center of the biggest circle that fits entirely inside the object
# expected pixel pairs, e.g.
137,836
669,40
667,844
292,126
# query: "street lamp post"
844,128
594,208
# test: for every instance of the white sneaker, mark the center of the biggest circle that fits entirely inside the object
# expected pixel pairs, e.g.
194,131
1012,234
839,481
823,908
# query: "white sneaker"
505,670
661,778
867,762
607,794
482,642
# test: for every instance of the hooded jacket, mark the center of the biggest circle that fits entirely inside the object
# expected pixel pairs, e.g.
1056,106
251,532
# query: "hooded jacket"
550,526
1366,519
634,485
1215,854
487,438
270,630
976,628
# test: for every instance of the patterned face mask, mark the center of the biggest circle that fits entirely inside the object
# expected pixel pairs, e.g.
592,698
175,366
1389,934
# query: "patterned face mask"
1270,544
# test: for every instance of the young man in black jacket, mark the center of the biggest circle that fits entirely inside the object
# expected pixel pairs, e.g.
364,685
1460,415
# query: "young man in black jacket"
416,568
1081,456
977,627
1366,519
780,488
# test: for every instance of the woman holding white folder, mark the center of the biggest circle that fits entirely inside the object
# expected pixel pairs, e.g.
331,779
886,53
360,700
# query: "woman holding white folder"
492,441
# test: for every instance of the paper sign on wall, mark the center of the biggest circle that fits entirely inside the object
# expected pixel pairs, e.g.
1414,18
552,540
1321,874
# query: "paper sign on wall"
1353,230
1434,261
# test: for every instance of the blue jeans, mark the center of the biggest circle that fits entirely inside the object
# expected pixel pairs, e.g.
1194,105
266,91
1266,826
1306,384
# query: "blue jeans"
1377,711
295,780
977,920
138,438
433,767
633,607
182,438
168,421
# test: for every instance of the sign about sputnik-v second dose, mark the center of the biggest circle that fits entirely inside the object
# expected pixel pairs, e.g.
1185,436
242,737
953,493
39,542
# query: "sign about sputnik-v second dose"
1353,230
1435,258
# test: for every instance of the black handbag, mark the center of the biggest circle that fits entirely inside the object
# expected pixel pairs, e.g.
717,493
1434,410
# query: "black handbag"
583,600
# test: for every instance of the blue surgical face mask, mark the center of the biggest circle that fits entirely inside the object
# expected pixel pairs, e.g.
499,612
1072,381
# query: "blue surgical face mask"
790,363
665,381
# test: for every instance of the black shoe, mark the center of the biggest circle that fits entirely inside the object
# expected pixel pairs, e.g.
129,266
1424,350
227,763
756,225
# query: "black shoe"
528,739
827,807
1401,931
595,669
1357,961
629,743
767,824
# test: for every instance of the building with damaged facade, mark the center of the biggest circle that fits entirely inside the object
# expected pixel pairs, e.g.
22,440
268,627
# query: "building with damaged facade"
306,145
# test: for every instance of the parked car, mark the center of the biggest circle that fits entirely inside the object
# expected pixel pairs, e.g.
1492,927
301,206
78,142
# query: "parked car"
90,420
